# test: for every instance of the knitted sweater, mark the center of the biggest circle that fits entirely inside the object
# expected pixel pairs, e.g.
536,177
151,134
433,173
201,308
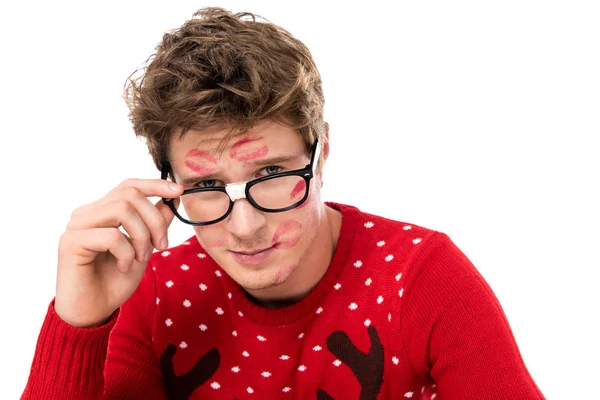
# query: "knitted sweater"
400,313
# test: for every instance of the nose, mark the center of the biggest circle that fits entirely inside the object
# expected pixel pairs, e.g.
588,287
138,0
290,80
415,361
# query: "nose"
245,220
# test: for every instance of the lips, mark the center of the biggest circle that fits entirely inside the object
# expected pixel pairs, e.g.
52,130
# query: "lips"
249,252
254,257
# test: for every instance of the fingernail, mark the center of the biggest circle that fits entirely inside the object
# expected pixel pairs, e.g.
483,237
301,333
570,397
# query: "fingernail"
174,187
164,243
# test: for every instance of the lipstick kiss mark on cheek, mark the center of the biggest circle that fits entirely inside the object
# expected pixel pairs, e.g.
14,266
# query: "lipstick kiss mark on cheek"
284,229
300,188
288,244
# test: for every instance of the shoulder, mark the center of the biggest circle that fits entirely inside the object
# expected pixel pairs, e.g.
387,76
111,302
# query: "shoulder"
400,240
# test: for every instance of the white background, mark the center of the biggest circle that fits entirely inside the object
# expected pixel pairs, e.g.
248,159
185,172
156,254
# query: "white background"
479,119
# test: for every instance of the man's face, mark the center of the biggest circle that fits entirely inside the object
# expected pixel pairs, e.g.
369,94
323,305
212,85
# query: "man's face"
258,250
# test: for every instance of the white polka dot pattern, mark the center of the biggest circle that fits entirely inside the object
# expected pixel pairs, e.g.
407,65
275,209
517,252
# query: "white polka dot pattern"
374,278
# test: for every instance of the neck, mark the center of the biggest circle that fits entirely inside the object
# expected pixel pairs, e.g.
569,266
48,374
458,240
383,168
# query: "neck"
311,269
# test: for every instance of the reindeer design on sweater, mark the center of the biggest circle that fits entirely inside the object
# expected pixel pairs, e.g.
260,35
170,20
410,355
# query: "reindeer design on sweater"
366,367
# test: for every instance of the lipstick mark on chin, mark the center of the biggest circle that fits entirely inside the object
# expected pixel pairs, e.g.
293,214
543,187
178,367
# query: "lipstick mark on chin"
283,229
248,154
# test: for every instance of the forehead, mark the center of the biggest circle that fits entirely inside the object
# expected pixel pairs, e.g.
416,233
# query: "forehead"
266,137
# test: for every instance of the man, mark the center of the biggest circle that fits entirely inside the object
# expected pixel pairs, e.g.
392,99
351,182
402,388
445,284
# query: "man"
277,295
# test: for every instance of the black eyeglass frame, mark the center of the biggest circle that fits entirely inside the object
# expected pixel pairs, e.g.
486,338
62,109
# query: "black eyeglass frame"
307,173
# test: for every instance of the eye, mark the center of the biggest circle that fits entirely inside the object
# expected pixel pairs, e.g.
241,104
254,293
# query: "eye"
209,183
271,170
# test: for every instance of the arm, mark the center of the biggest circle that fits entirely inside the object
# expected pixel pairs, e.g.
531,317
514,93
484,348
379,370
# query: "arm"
455,331
68,362
112,361
132,367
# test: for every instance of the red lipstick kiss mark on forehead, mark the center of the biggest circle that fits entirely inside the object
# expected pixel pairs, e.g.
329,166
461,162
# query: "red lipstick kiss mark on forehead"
248,148
204,163
201,153
285,235
199,169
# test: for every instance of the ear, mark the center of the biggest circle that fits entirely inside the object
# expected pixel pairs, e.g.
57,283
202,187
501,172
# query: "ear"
326,146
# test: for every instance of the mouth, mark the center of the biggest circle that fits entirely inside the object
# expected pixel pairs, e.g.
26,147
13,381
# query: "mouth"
249,252
254,257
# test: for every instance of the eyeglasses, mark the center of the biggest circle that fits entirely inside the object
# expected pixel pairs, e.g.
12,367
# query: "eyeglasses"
273,193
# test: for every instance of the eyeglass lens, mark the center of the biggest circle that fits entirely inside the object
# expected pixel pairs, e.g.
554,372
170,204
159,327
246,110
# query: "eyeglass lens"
272,194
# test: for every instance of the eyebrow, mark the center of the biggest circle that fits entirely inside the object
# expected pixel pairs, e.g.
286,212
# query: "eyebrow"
255,163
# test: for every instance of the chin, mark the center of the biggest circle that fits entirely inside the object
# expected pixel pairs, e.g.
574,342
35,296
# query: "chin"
262,276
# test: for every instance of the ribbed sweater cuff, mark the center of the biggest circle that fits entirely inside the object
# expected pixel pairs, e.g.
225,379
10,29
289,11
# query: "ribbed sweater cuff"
69,361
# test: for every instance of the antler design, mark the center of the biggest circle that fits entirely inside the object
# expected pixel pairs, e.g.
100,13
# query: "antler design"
181,387
367,368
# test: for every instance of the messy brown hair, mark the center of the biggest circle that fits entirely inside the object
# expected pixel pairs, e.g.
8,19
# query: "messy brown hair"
224,71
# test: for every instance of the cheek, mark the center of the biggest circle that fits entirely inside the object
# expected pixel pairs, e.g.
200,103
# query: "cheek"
211,236
313,197
298,190
287,234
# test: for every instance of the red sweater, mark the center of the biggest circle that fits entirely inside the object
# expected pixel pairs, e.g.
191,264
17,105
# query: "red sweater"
400,313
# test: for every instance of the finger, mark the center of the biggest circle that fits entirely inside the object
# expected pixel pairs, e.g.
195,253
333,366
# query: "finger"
113,215
150,188
87,244
168,215
130,189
